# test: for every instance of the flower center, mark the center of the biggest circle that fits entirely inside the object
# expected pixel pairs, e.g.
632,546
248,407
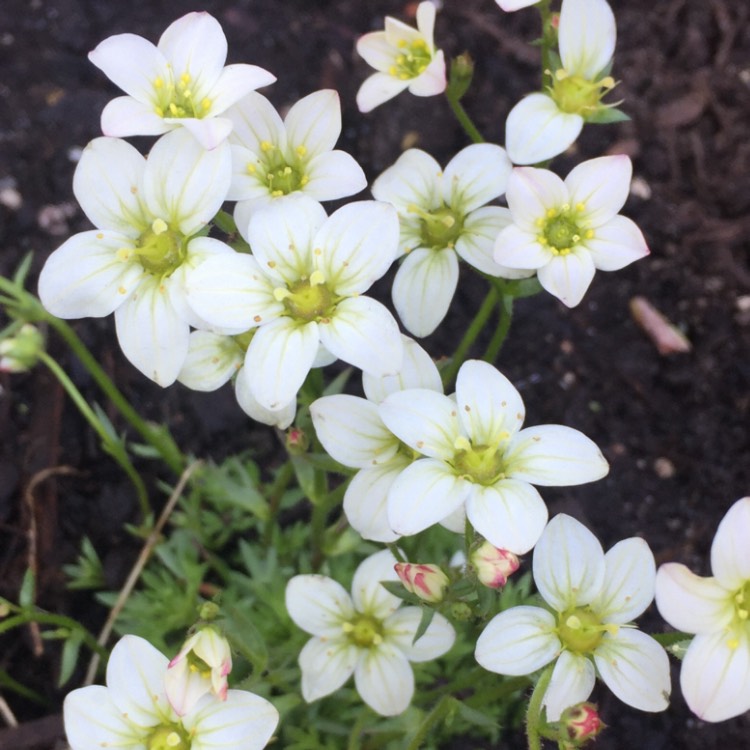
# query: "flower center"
179,99
281,176
581,630
159,250
307,299
412,59
440,228
576,95
482,464
168,737
364,631
561,229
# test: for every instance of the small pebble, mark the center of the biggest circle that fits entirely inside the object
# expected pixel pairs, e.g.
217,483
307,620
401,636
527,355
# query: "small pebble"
664,468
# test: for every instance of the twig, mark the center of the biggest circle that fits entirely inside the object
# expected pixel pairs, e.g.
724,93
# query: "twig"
7,714
140,563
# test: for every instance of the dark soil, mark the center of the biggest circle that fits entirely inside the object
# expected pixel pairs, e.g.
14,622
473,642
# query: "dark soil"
674,428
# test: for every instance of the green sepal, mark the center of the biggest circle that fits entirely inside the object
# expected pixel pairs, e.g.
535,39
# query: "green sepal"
427,614
607,115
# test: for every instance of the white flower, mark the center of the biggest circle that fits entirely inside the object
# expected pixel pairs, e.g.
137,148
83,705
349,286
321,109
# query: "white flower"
181,82
133,712
404,58
541,126
136,262
715,676
510,5
592,598
303,288
443,217
351,431
201,667
272,158
567,230
365,634
478,458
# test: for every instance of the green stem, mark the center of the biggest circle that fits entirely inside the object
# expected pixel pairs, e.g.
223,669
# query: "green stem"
275,494
354,742
474,329
111,445
438,713
463,118
503,326
534,711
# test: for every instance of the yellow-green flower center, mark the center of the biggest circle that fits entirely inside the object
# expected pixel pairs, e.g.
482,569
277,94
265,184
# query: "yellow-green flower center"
160,250
412,59
281,175
168,737
741,601
178,99
439,228
364,631
307,299
482,464
576,95
562,228
581,630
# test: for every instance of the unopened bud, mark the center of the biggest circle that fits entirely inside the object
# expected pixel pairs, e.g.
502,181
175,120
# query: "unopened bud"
20,353
579,724
297,441
428,582
493,566
461,73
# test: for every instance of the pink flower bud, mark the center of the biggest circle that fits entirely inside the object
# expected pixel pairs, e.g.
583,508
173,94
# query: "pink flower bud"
580,723
297,442
428,582
493,566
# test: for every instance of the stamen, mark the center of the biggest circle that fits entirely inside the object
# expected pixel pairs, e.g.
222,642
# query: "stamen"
281,293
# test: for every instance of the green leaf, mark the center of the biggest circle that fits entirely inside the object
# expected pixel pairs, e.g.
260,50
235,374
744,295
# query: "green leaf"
69,657
397,589
26,595
427,615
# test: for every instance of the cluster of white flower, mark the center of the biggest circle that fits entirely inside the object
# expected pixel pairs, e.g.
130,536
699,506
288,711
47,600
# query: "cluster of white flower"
297,301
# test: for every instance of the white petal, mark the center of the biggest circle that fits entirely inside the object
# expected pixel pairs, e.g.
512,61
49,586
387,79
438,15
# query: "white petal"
568,277
278,360
211,361
616,244
132,63
351,431
509,514
152,335
413,179
333,175
281,417
476,175
85,278
489,407
424,287
385,680
375,50
417,371
125,116
184,184
715,677
370,598
424,494
553,455
241,722
135,680
476,244
519,641
195,44
255,121
231,291
730,551
401,626
518,248
363,333
587,35
210,132
635,668
432,80
425,420
318,605
531,193
235,82
92,721
629,577
365,501
326,665
378,88
426,12
108,182
282,236
568,564
572,681
692,603
184,687
358,243
602,185
511,5
314,122
536,130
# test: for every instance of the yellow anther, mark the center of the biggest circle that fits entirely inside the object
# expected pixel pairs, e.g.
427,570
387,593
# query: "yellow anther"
303,180
185,78
206,104
377,639
588,234
277,193
580,206
316,277
187,93
576,238
404,77
393,70
99,236
733,643
173,108
419,43
159,226
347,627
608,82
739,597
539,223
561,74
159,111
124,253
551,212
742,614
122,290
266,146
541,239
301,150
611,628
566,207
158,83
287,171
573,622
281,293
422,68
251,168
462,444
401,43
400,60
